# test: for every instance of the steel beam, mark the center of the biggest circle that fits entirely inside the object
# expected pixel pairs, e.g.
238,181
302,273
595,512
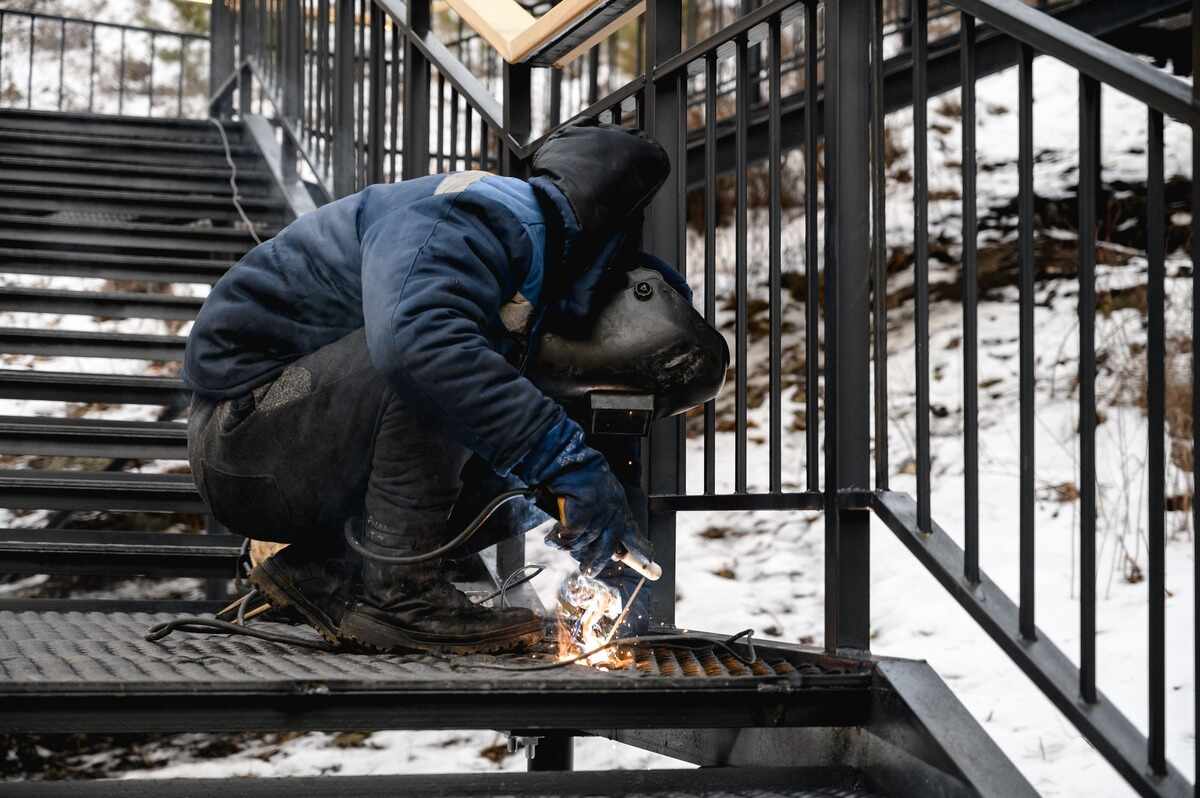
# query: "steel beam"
847,323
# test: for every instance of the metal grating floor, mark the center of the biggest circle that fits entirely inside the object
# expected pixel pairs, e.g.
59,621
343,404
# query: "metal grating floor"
82,650
94,672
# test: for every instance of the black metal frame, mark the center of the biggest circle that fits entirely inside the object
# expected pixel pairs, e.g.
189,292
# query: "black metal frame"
185,42
362,91
858,89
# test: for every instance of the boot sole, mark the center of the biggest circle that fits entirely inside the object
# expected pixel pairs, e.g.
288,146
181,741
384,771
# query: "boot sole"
378,635
282,592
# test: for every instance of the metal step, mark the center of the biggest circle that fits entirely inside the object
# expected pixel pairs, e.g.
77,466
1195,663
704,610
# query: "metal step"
144,205
113,266
59,386
99,490
181,180
707,782
91,141
71,234
118,553
89,303
84,437
72,343
114,151
186,682
170,128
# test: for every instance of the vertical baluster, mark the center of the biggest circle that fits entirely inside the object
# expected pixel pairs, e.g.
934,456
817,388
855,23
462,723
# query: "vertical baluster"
1089,177
415,144
467,124
710,252
775,234
62,58
441,123
921,255
310,84
2,17
178,89
811,263
1027,397
341,133
453,130
555,97
323,101
593,77
360,71
483,145
149,78
1156,356
394,115
740,265
377,102
970,299
879,249
29,83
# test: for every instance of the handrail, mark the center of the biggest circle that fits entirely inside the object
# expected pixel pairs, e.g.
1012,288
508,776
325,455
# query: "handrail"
100,23
144,87
1100,60
517,35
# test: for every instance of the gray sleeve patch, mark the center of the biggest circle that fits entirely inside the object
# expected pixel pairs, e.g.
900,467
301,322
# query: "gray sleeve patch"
459,181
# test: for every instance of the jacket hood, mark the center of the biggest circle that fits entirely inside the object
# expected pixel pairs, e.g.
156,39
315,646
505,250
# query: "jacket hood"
605,174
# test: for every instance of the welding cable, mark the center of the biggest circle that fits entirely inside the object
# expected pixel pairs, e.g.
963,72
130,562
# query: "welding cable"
509,583
441,551
245,602
233,181
201,625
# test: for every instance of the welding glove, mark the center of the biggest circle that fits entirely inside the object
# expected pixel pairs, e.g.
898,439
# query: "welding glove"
594,517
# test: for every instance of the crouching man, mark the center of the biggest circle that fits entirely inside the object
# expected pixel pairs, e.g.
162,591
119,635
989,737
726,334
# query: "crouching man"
349,367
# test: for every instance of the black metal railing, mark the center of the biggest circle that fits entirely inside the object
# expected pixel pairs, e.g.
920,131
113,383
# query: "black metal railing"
62,63
364,91
1139,757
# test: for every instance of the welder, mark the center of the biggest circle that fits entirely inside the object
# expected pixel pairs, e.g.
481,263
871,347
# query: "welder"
353,364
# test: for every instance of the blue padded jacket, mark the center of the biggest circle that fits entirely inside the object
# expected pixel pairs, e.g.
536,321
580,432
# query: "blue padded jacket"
432,268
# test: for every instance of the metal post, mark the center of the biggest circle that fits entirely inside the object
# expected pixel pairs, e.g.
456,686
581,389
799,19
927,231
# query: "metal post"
293,94
248,17
517,115
664,238
376,108
343,99
554,751
415,162
220,62
847,323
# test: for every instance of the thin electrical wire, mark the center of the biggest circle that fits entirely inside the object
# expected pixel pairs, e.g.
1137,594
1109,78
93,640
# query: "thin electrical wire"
440,551
233,181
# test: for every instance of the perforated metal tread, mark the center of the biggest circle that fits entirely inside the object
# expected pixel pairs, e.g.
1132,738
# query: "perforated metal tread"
78,662
695,783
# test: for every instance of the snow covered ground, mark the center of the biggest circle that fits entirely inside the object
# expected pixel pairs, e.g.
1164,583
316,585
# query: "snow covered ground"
765,570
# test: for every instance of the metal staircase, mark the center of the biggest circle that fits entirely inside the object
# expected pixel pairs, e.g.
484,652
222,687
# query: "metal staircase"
314,111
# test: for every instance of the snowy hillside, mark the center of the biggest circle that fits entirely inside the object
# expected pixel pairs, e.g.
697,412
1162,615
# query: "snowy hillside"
765,570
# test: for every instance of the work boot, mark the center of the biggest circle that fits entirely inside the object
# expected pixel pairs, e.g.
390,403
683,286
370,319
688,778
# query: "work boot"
416,608
316,581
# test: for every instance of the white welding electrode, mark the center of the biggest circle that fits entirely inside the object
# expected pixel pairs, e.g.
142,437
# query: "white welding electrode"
647,568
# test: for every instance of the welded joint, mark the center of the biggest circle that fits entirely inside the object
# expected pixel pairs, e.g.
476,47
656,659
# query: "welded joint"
528,742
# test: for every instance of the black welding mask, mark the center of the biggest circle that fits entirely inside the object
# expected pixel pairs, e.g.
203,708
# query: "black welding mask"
642,353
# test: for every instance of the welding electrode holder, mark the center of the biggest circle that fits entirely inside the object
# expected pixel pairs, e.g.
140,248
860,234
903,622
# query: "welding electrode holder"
644,566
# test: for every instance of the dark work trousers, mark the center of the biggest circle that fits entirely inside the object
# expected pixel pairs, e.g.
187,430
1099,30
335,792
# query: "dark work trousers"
326,440
330,439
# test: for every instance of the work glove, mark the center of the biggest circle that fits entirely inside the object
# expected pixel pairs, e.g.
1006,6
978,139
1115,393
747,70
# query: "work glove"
595,521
